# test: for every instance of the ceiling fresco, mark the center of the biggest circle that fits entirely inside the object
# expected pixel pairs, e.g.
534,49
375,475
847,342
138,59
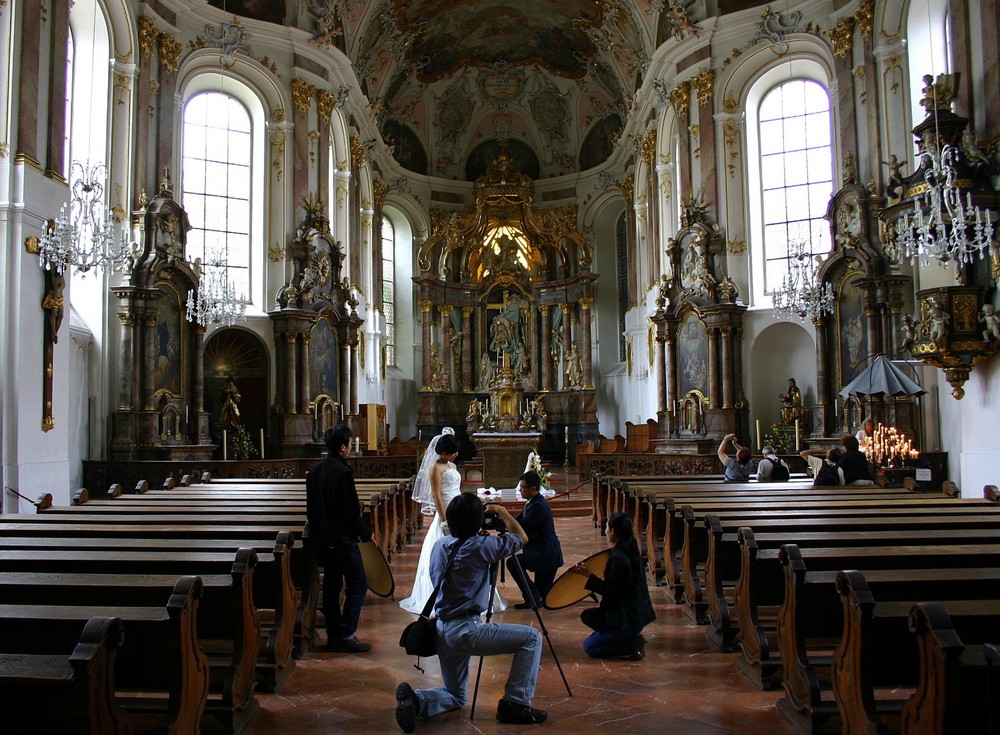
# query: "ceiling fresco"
442,77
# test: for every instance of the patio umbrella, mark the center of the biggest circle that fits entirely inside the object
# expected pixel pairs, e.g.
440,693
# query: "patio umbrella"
882,377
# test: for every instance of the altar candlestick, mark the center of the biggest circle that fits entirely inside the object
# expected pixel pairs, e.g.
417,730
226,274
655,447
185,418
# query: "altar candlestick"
758,434
566,434
224,449
420,435
796,435
316,412
357,445
186,419
262,444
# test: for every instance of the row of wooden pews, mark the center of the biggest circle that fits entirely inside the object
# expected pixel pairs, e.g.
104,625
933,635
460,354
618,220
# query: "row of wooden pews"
871,608
164,610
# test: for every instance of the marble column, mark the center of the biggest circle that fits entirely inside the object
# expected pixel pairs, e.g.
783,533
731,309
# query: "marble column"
546,358
353,382
345,376
713,367
728,381
670,361
567,338
661,383
126,359
55,129
148,360
198,389
446,354
467,348
426,339
823,393
585,341
291,368
305,390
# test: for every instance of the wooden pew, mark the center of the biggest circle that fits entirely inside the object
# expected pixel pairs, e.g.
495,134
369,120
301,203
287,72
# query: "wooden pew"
273,589
878,655
803,701
81,681
227,623
160,654
957,688
723,564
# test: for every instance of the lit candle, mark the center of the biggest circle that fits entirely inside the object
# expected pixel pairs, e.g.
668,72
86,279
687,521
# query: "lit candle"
262,444
567,436
357,445
186,414
796,435
757,422
224,452
420,435
316,411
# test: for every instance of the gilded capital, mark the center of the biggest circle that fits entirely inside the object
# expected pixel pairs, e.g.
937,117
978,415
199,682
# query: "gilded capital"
302,93
324,104
680,97
586,302
842,35
864,16
704,84
426,305
648,148
357,151
148,34
170,52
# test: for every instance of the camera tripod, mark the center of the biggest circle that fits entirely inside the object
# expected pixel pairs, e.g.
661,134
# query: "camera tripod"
495,574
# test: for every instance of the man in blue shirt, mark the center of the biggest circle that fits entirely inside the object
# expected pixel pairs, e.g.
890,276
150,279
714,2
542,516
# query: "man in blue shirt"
461,633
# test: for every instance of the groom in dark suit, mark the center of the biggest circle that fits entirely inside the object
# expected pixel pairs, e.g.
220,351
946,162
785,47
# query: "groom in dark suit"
542,554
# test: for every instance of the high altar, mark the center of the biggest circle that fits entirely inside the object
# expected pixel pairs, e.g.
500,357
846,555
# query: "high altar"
505,298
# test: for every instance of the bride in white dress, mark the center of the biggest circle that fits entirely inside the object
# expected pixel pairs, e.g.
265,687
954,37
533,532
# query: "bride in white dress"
437,483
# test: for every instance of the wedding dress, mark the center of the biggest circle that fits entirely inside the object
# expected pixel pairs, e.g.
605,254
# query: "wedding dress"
451,486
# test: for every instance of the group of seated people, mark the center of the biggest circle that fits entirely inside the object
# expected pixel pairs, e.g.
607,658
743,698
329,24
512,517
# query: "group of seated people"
835,466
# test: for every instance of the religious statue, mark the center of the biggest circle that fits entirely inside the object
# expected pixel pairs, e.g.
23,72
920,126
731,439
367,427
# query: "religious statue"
937,331
574,369
52,302
486,372
990,317
505,334
439,379
229,414
909,332
791,403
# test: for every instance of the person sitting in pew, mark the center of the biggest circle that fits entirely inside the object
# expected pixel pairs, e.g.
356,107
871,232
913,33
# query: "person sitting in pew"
738,469
823,466
771,467
854,463
625,608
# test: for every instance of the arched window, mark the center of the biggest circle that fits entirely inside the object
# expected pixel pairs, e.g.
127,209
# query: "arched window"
389,288
621,263
790,137
928,48
217,176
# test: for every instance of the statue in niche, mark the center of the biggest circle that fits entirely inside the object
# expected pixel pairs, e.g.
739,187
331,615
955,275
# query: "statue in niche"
574,368
505,334
485,372
229,414
791,403
439,380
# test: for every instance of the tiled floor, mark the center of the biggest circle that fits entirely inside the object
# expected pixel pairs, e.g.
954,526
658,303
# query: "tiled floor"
683,685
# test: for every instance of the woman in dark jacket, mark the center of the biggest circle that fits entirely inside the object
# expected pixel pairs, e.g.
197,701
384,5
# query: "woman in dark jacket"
625,608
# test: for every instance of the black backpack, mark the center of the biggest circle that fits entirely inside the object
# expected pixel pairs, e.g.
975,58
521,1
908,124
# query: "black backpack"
779,470
827,475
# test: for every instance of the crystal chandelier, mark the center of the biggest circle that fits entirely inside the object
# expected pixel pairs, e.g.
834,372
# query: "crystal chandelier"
801,294
85,235
944,225
215,300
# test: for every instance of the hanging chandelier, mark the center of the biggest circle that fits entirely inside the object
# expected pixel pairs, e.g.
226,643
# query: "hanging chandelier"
215,300
801,294
86,235
945,225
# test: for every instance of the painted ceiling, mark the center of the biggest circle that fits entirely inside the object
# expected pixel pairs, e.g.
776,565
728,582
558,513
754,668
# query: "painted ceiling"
448,81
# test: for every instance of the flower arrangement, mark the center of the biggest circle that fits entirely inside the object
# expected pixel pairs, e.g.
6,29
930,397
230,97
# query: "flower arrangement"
243,447
776,438
535,464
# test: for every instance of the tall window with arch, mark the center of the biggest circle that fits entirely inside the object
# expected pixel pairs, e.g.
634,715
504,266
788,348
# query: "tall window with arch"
389,288
621,268
794,175
217,182
928,48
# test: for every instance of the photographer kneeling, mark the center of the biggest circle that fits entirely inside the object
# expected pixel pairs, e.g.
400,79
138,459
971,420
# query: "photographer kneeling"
461,633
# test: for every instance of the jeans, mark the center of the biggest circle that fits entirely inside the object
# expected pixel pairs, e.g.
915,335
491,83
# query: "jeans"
611,643
460,639
340,565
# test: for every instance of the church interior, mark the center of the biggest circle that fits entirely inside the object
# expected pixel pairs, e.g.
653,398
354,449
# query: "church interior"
610,231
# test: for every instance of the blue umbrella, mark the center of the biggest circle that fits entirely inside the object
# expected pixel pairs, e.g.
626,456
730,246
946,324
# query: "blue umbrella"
882,378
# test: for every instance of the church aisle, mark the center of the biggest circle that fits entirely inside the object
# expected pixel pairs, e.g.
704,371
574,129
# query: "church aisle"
682,687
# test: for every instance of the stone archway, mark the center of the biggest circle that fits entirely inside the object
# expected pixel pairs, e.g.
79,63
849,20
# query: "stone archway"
241,355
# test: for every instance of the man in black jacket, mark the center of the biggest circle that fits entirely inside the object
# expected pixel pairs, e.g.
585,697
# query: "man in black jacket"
543,553
335,526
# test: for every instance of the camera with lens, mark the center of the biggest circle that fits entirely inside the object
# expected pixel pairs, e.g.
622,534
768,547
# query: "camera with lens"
493,522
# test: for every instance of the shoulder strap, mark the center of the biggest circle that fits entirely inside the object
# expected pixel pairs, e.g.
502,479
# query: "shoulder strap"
426,612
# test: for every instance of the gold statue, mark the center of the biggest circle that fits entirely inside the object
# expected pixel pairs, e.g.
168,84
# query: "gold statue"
791,403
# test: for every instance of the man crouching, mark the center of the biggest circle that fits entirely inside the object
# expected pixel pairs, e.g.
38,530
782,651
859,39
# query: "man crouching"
461,633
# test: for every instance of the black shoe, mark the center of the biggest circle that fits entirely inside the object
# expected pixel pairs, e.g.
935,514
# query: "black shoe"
348,645
407,706
514,713
640,652
523,606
